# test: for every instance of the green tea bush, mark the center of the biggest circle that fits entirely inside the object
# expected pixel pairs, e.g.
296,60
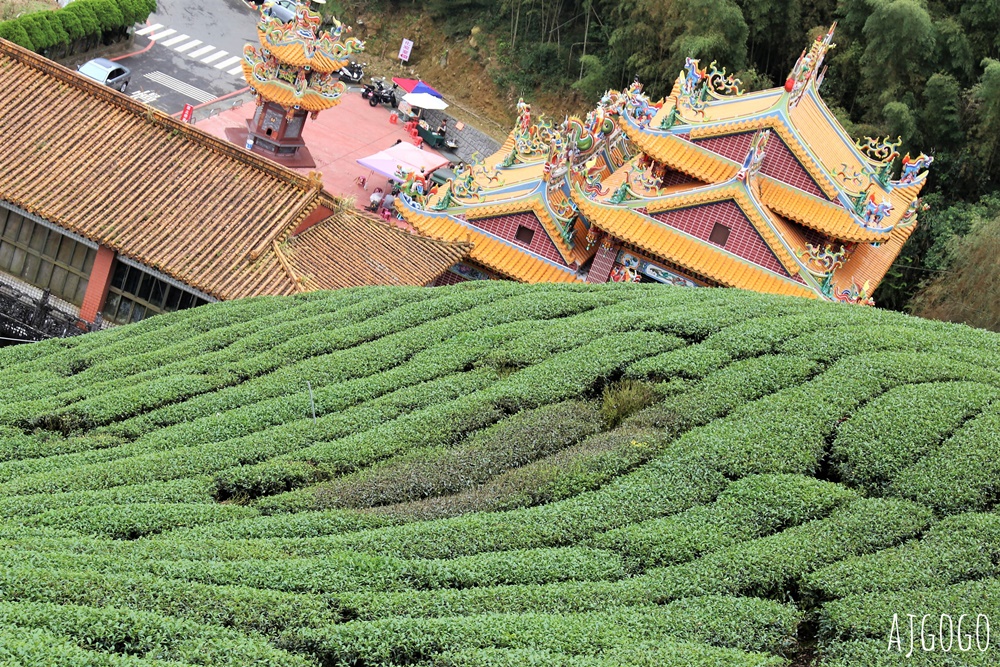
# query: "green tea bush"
901,426
510,443
959,548
741,623
964,473
751,507
167,497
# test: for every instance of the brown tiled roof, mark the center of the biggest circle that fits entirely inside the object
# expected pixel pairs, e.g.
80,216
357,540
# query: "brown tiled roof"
326,256
167,194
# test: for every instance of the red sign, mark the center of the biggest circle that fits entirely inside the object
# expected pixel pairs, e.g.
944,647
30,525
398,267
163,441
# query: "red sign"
404,50
187,113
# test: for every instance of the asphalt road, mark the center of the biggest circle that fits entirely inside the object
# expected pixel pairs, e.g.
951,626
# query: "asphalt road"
197,46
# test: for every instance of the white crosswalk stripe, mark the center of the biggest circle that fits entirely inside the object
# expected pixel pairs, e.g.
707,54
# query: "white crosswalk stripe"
159,35
190,45
215,56
174,40
179,86
227,62
193,48
202,51
148,29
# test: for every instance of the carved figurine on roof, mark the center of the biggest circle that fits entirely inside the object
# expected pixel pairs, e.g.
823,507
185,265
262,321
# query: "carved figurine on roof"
293,73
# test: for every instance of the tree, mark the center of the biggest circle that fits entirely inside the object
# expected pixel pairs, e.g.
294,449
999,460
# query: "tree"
969,291
15,32
986,95
940,119
900,42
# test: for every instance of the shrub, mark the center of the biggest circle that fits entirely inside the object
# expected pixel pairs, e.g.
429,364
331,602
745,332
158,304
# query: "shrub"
508,444
901,426
624,398
742,623
752,507
963,474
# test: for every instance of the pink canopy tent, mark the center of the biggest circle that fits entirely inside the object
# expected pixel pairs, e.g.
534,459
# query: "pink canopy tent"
403,156
415,86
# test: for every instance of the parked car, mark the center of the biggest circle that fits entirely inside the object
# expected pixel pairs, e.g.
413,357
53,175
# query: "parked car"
283,10
109,73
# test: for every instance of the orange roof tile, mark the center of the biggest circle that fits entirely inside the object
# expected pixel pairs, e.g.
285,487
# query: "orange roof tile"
165,193
492,253
823,216
870,264
682,155
689,253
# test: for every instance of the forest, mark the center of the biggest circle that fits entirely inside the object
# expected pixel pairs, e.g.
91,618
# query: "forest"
927,72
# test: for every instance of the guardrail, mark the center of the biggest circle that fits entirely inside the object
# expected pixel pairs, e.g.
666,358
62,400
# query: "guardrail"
32,318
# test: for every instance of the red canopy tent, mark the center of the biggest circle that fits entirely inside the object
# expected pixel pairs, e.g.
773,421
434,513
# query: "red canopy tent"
416,86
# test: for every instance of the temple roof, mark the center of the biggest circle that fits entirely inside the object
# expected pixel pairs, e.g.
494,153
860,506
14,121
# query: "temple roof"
488,250
181,201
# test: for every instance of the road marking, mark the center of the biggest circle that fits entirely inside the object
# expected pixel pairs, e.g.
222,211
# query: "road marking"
235,70
179,86
165,33
227,62
215,56
175,40
192,43
145,96
202,51
149,29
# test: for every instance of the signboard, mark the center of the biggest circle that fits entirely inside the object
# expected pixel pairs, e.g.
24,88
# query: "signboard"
404,50
187,113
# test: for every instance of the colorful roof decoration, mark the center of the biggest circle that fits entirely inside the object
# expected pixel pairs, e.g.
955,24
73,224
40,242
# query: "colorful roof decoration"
295,63
176,199
710,185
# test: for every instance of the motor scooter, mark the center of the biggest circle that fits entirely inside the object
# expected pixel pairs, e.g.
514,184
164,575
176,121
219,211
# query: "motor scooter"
353,73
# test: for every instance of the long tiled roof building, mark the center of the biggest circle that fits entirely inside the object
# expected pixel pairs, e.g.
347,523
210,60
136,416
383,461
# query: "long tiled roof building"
117,209
708,187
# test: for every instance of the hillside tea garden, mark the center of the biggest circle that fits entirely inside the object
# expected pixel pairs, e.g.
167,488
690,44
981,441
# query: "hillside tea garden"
494,474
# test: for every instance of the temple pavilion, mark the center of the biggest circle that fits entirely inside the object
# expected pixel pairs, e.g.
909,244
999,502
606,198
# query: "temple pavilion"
708,187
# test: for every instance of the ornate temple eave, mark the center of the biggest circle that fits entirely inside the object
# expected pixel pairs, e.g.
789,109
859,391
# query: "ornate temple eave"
684,250
680,154
491,252
822,216
309,97
301,44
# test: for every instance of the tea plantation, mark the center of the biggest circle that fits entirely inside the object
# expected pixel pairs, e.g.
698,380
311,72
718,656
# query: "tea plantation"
494,474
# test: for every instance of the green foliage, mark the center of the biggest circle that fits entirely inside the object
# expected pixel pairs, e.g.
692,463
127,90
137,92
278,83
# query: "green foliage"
167,496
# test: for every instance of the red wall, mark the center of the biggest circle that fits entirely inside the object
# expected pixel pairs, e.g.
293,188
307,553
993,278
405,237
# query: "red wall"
97,286
505,227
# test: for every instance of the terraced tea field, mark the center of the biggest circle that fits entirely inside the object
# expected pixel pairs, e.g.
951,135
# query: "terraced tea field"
493,474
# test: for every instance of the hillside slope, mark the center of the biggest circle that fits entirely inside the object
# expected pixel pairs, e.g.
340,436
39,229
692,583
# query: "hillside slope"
499,474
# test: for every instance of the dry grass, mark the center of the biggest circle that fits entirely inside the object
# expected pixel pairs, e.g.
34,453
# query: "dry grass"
10,9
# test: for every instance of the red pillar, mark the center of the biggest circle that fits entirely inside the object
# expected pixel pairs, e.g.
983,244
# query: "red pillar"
97,286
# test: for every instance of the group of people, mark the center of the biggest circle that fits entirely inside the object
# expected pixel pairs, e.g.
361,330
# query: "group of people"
378,201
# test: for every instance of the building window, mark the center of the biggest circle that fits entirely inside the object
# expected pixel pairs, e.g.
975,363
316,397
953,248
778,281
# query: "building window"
524,234
44,257
135,295
720,234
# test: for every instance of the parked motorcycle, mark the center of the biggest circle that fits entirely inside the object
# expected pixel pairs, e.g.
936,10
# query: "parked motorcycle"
370,88
353,73
383,95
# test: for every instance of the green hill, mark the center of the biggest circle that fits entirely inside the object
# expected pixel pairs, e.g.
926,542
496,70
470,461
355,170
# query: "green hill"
496,474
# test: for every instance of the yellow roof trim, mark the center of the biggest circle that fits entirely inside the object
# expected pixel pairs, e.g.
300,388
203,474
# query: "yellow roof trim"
823,216
492,253
677,247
